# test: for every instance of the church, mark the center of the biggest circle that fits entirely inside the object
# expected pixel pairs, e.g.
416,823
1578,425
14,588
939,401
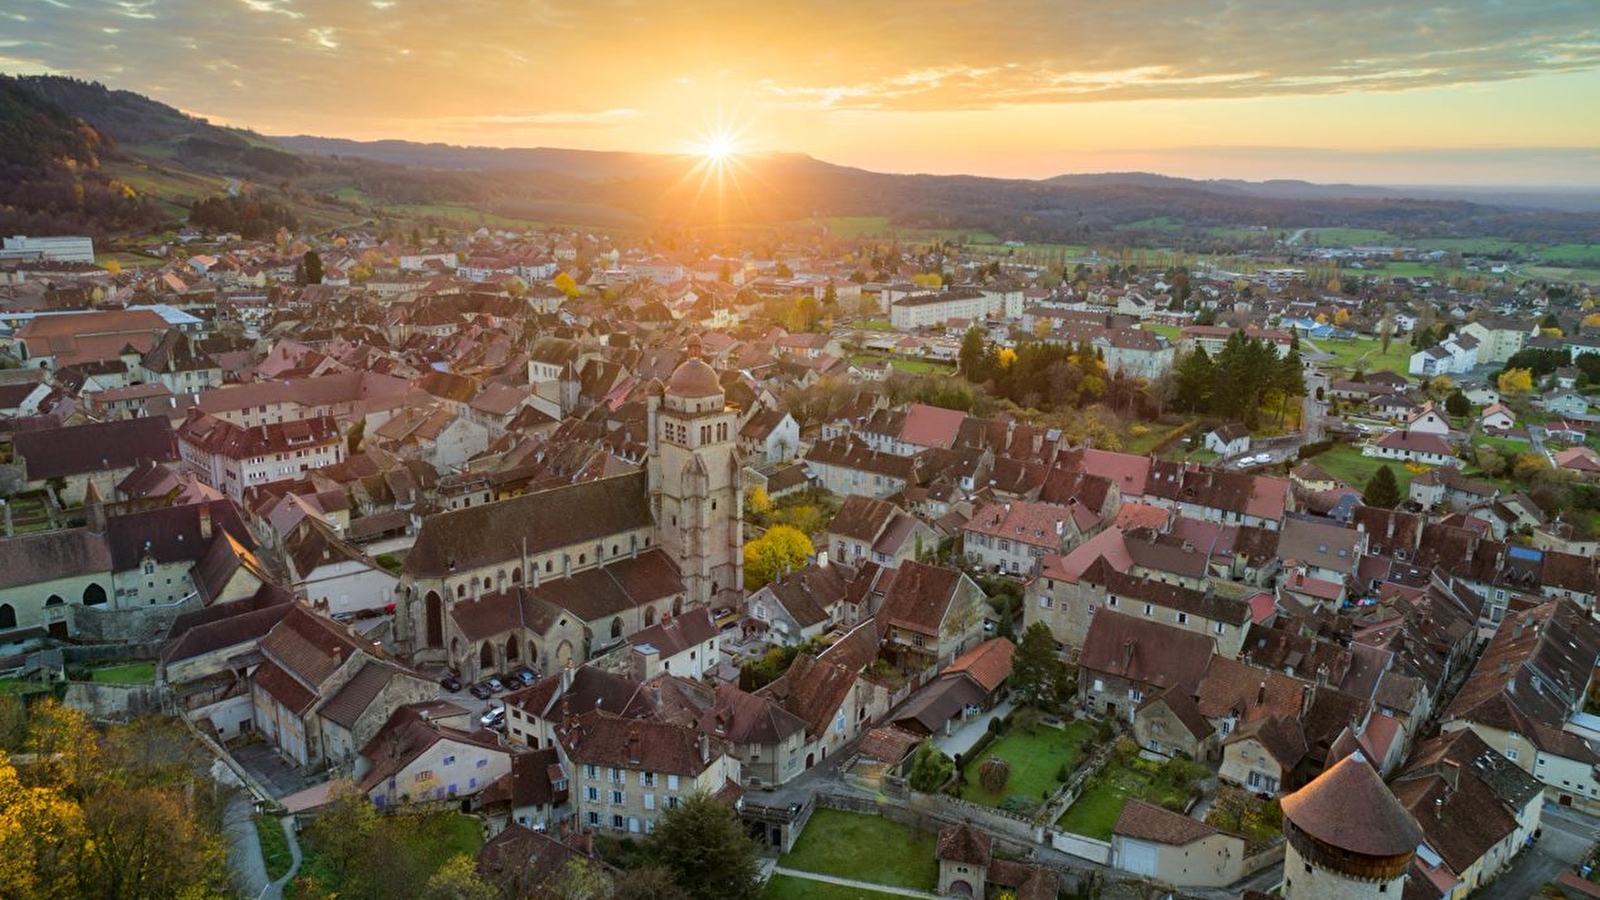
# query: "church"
565,574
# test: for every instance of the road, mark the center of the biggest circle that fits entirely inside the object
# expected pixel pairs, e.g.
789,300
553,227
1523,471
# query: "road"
1536,438
1567,837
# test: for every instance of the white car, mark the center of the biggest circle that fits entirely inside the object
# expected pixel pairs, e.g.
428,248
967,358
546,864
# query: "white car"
492,716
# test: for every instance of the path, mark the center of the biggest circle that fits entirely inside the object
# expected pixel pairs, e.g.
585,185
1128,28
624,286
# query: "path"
962,739
852,883
1296,238
1567,837
244,851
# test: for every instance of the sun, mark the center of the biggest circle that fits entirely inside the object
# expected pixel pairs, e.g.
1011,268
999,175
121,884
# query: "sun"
718,147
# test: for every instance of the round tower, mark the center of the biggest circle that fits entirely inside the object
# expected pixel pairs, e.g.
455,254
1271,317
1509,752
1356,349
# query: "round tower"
1348,837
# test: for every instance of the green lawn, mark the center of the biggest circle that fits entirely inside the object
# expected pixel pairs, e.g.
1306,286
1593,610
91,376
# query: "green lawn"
1035,761
1369,352
129,673
1348,465
908,364
1126,778
874,325
1348,237
1172,333
1142,437
788,887
866,848
274,846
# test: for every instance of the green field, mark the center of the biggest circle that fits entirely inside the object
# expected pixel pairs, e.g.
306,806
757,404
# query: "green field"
1172,333
1036,759
908,364
873,325
274,846
855,227
427,840
1368,351
1557,273
1346,463
1405,269
461,213
865,848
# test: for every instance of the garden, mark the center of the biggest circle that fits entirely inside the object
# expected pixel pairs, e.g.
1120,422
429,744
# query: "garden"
1243,813
1171,784
1026,763
864,848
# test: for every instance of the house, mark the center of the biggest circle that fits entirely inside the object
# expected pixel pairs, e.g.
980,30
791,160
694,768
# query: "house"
1454,355
767,740
98,453
965,688
1446,488
1227,440
929,616
770,435
1168,723
1527,687
866,529
802,605
232,458
1126,659
848,466
1013,537
321,693
424,753
625,772
1477,809
1581,459
1321,550
1175,849
1497,417
331,574
1426,419
1566,403
1262,755
1411,446
686,645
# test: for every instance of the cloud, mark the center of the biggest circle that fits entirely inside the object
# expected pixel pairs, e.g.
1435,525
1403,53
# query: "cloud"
333,64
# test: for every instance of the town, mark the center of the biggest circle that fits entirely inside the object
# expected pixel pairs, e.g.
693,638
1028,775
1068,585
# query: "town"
473,561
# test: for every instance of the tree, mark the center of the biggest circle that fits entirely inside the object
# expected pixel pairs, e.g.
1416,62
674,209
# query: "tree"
757,503
993,774
343,830
358,432
646,883
1038,673
1382,490
1194,381
458,879
1457,404
1515,381
973,352
113,267
13,723
311,268
565,284
143,844
930,768
782,549
705,848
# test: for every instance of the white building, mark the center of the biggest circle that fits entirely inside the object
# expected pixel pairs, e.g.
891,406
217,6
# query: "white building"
56,249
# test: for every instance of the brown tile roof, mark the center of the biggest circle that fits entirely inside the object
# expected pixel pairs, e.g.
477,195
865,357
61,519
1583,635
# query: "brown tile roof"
1350,808
1184,708
674,634
1231,687
283,687
520,859
96,447
493,533
30,559
600,738
964,844
812,690
988,664
921,597
1148,822
862,518
354,696
310,647
1145,651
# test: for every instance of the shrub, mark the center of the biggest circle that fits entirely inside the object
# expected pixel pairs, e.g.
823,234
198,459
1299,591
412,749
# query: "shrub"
996,726
1063,773
993,774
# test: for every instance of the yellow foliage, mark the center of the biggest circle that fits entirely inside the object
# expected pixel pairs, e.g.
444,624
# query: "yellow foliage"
1516,381
1416,468
783,548
113,267
566,285
1334,286
1592,320
1550,332
757,503
1005,357
1341,317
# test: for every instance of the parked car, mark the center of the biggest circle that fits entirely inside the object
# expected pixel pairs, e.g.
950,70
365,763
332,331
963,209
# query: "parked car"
494,715
482,690
496,686
523,677
450,683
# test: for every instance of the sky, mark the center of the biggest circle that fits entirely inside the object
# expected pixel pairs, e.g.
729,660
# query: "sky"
1492,92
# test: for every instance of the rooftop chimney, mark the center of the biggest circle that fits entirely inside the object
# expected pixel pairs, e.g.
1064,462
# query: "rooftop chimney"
705,748
1261,694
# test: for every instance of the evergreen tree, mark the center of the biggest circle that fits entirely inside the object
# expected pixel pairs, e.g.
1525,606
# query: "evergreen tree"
1037,673
1382,491
1457,404
973,352
312,266
707,851
1194,381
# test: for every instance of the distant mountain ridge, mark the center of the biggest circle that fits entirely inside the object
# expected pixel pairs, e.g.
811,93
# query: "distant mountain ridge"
331,180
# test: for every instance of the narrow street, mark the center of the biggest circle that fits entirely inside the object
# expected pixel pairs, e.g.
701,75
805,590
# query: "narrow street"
1567,837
